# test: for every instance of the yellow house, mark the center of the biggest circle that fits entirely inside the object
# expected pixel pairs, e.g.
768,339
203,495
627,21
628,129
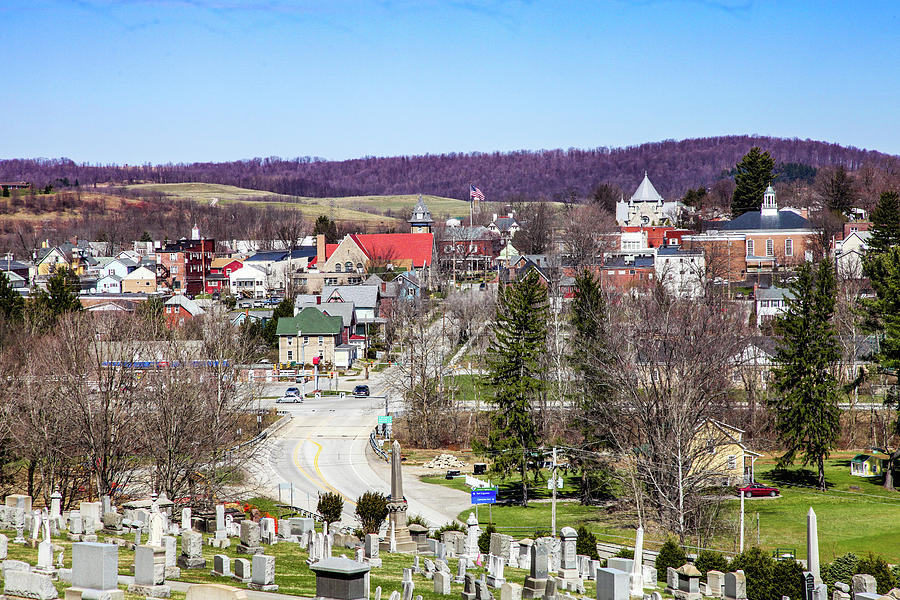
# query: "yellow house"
140,281
720,451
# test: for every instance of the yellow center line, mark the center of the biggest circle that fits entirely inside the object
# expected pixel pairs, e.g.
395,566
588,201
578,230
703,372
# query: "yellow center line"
318,470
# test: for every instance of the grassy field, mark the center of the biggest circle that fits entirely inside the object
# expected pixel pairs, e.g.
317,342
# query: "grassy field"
863,519
348,208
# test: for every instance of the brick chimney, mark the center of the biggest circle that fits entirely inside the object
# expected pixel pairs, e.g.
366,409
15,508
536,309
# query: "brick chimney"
320,252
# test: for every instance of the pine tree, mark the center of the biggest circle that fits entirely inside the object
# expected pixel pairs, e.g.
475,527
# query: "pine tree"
752,175
12,305
326,227
519,339
838,191
285,308
807,416
883,270
885,223
588,348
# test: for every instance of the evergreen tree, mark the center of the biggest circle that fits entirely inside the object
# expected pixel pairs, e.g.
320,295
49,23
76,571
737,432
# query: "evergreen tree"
588,345
807,416
285,308
838,191
12,305
327,227
883,269
885,223
519,339
752,176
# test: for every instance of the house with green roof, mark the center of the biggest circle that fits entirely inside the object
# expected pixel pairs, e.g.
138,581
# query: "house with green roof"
308,334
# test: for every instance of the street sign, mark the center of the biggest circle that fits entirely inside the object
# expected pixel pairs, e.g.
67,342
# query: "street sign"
484,496
559,483
385,419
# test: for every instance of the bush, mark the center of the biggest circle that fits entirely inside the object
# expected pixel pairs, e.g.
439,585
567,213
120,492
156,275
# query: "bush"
417,519
670,555
586,543
451,526
787,579
626,553
709,560
371,510
759,569
878,568
330,506
484,540
843,568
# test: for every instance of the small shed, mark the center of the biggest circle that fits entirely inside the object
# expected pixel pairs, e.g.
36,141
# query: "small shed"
867,465
344,355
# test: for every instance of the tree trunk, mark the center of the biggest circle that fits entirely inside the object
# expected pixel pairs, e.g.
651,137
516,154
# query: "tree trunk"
889,470
821,464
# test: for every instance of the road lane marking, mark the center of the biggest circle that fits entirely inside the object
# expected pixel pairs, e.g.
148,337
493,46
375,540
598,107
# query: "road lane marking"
322,476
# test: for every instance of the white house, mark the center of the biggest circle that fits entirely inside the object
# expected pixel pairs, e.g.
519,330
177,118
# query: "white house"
248,282
681,271
506,227
109,284
771,302
120,267
848,254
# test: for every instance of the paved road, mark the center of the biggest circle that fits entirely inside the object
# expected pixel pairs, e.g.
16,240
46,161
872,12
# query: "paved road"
325,447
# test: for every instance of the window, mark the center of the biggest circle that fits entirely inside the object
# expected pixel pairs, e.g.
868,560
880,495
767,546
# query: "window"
732,462
789,247
173,257
359,267
174,269
337,267
305,340
348,266
321,340
290,355
770,247
749,247
610,272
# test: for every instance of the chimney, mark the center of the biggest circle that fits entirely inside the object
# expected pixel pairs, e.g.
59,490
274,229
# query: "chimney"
320,252
494,217
319,299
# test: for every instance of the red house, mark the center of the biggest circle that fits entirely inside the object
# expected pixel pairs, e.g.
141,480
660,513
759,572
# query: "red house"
179,309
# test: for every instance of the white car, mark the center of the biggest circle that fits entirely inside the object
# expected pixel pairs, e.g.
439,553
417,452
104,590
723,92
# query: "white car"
289,399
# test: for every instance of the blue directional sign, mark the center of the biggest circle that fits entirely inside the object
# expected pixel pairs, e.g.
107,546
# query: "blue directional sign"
484,496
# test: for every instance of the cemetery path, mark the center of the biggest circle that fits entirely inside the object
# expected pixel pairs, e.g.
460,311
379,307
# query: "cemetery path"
182,586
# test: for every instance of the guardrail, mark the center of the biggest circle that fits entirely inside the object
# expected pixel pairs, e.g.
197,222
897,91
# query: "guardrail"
377,448
266,432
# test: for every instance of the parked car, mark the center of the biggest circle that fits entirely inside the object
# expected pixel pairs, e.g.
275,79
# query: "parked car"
289,399
292,391
758,489
361,390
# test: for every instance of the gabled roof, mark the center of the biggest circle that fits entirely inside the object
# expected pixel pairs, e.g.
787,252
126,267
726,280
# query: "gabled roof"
504,223
309,321
186,303
774,293
362,296
344,310
755,221
221,263
646,192
141,273
396,247
114,277
268,256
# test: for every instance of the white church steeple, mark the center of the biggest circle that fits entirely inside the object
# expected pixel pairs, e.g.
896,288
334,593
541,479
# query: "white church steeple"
769,206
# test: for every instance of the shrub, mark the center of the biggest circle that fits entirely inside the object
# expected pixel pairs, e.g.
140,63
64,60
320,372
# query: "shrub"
670,555
709,560
787,579
759,569
417,519
626,553
878,568
587,543
371,510
484,540
330,506
451,526
843,568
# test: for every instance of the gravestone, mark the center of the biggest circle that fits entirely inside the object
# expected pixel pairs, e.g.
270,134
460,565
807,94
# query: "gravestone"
536,582
441,583
250,538
550,590
500,545
568,566
4,546
468,592
241,570
689,582
262,577
619,564
150,572
671,579
716,581
22,501
221,565
461,570
474,532
267,530
185,519
513,561
863,584
341,579
191,551
370,545
612,584
481,590
419,534
95,570
510,591
735,586
495,576
28,584
170,546
300,525
214,591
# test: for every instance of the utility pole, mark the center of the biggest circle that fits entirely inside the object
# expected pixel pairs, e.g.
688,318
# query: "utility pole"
553,496
741,547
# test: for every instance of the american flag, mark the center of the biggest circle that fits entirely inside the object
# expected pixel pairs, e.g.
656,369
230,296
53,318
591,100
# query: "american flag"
474,193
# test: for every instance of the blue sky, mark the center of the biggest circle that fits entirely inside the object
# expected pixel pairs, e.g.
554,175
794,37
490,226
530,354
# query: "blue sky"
194,80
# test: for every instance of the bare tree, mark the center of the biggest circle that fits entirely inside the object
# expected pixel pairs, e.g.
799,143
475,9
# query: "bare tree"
586,234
